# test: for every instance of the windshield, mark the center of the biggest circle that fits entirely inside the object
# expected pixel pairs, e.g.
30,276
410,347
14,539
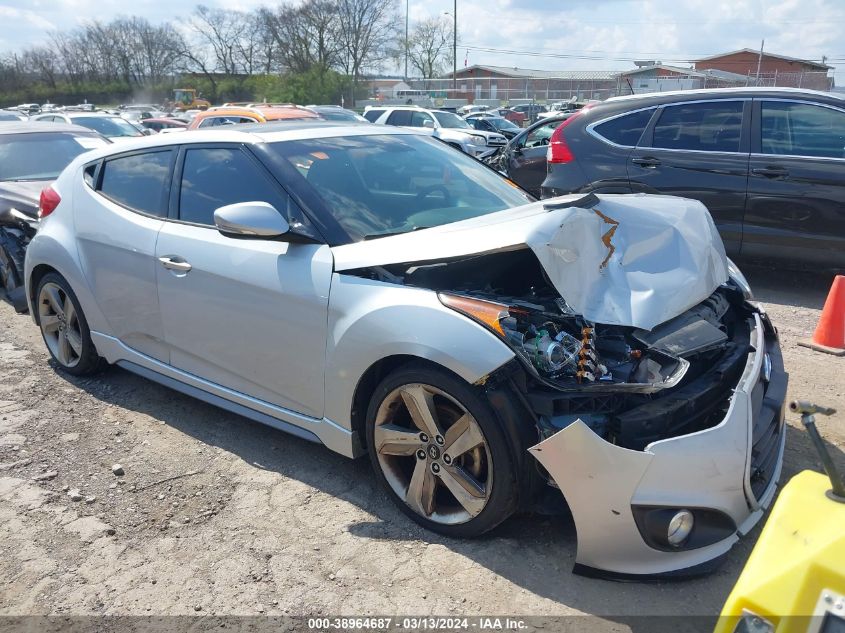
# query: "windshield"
502,124
448,119
41,156
384,184
110,127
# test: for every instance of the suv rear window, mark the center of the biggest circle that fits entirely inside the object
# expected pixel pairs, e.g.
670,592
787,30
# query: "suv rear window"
139,181
709,127
42,155
626,129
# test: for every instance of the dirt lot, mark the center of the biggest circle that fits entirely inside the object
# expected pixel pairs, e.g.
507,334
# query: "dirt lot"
219,515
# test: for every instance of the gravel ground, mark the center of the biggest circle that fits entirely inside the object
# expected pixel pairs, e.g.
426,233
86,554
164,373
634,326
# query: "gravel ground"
215,514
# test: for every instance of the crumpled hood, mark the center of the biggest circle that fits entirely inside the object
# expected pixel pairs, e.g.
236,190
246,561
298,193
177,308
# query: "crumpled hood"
631,260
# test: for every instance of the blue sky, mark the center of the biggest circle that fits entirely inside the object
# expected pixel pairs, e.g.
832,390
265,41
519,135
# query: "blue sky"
612,32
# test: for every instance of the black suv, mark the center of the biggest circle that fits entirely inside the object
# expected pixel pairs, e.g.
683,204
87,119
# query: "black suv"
769,164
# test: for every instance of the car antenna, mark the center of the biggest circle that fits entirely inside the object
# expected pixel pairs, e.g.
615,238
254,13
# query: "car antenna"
808,419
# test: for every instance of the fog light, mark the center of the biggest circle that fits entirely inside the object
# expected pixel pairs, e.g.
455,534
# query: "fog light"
679,528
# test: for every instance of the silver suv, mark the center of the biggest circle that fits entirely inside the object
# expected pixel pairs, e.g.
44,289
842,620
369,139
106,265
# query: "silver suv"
447,126
371,289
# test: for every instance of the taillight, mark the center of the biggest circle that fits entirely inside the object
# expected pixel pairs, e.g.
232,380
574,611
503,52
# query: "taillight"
48,202
559,151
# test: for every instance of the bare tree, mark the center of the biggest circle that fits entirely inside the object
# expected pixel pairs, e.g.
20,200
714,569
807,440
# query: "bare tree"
368,34
42,61
305,36
223,31
430,46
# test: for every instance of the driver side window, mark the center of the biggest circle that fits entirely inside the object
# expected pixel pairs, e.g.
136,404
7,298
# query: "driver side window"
540,137
215,177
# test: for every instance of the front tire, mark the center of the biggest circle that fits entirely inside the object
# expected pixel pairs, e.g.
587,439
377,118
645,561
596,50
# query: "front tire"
64,328
438,449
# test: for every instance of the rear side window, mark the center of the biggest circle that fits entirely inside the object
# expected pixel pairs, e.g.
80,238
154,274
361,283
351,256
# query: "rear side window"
802,129
139,182
400,117
216,177
709,127
373,115
625,130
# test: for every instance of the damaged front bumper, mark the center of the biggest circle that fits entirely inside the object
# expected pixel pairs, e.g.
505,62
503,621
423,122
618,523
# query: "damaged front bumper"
726,475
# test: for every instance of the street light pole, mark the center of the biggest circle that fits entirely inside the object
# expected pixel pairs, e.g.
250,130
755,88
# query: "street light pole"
455,48
406,38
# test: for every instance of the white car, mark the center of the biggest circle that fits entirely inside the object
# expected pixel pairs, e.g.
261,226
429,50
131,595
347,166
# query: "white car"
447,126
371,289
114,128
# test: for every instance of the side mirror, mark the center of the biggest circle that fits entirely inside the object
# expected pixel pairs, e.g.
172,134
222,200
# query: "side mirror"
429,124
250,219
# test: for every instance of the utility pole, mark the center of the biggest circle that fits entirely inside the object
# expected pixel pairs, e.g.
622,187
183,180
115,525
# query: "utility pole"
455,48
407,6
760,61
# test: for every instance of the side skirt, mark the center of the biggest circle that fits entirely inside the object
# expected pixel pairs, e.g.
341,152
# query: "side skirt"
323,431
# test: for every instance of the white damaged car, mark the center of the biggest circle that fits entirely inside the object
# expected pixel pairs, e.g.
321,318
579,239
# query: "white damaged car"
371,289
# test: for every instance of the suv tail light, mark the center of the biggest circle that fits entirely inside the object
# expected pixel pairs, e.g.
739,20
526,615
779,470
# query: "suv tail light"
559,151
48,202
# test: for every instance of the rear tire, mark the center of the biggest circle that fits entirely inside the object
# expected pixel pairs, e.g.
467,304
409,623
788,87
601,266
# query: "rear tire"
64,327
439,451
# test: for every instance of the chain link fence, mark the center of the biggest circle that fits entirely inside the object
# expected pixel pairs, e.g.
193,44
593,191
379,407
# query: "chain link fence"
578,86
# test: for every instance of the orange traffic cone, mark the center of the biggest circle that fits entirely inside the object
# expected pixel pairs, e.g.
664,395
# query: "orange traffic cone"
829,336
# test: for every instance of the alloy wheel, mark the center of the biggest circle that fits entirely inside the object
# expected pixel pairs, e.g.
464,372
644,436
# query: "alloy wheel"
59,323
433,454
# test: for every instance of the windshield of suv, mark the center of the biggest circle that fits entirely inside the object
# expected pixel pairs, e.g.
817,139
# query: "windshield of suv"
41,156
448,119
376,185
110,127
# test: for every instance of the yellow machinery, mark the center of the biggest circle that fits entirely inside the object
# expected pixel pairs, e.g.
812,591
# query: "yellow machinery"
794,581
186,99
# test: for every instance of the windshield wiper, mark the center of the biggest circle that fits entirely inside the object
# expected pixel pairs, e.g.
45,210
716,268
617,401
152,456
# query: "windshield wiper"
375,236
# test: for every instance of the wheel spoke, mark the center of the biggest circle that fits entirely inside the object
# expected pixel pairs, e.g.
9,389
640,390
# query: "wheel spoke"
75,341
64,349
463,486
70,312
49,323
462,436
55,300
420,405
394,440
420,495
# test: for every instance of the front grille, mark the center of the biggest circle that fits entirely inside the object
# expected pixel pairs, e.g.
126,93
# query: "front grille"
497,142
767,417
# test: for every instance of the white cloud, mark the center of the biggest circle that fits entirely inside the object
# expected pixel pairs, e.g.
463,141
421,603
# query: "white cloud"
614,32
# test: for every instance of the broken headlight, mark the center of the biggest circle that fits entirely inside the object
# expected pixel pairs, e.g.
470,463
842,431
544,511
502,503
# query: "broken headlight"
739,279
544,345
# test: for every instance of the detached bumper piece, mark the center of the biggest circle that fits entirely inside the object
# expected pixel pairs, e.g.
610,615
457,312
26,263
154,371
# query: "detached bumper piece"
663,487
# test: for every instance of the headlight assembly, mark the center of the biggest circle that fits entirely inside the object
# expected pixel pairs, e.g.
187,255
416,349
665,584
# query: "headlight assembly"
545,346
478,140
739,279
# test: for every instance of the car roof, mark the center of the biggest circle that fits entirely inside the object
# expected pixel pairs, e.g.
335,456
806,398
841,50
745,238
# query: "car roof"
86,115
268,112
753,91
31,127
255,133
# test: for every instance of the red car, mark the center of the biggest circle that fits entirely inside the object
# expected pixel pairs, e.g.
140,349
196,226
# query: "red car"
511,115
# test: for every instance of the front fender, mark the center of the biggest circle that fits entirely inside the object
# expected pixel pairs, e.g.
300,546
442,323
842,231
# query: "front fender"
371,320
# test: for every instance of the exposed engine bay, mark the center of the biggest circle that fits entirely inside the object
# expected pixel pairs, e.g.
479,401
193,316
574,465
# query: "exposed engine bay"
574,368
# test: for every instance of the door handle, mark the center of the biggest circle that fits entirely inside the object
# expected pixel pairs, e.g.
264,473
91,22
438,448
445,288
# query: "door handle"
177,264
770,172
646,161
